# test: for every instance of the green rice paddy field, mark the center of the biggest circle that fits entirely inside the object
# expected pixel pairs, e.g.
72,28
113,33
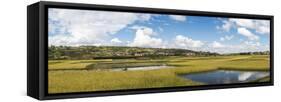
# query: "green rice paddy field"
97,75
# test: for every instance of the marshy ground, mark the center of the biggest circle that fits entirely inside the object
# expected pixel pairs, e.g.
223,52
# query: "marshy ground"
66,76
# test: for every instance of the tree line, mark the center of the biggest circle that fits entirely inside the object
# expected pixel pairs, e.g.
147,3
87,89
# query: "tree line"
117,52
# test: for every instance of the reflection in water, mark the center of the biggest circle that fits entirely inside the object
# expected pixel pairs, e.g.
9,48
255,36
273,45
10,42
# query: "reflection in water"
141,68
245,76
226,76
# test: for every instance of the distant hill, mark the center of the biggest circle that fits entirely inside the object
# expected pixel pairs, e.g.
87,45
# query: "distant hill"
251,53
117,52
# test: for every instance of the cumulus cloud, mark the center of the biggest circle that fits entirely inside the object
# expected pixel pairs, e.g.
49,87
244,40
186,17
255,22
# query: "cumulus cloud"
245,46
74,27
247,33
115,40
249,28
252,46
226,37
178,17
264,27
248,23
144,38
84,27
259,26
186,42
216,44
227,25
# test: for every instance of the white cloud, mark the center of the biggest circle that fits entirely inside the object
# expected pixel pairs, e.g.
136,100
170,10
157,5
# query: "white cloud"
263,27
247,33
178,17
144,17
259,26
74,27
252,46
250,28
115,40
144,38
226,26
247,23
185,42
82,27
226,37
251,43
216,44
245,46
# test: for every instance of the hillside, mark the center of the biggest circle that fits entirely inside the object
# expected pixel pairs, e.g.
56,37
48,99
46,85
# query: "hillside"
103,52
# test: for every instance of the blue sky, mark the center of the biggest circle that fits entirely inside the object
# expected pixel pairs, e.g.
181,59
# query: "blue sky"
104,28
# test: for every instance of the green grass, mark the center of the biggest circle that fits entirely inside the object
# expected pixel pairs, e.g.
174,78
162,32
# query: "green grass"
63,80
71,64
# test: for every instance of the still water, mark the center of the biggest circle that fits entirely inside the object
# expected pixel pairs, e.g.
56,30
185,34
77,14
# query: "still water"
141,68
226,76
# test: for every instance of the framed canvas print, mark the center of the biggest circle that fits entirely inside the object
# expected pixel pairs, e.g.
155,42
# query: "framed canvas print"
82,50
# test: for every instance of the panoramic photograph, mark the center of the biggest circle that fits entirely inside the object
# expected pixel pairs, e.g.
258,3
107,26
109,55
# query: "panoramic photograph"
91,50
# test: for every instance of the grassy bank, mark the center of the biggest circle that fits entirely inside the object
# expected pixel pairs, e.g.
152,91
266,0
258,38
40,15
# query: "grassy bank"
64,80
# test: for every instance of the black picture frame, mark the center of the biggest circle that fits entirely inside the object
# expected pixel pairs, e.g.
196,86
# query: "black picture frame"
37,31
